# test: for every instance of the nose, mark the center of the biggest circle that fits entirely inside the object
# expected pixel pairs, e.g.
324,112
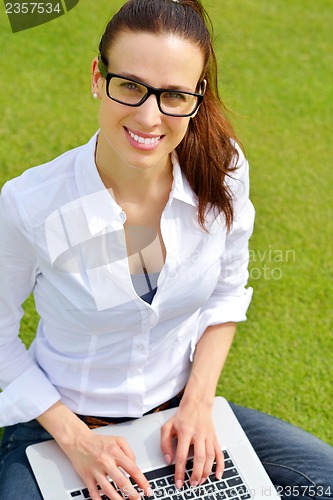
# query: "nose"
148,114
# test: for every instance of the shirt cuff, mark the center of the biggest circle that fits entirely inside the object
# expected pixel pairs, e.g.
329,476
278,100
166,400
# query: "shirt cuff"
224,309
27,397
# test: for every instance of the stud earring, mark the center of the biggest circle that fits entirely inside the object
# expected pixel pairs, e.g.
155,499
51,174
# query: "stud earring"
95,95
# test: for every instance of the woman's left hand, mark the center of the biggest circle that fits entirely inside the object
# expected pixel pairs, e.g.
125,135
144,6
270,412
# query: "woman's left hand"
192,425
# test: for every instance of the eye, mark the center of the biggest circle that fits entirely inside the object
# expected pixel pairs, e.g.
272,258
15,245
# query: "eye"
131,86
176,96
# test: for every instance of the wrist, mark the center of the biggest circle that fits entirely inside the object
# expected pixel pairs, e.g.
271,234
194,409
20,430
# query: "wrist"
72,433
63,425
195,395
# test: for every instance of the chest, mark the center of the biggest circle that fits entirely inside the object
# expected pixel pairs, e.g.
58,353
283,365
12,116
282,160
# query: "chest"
146,249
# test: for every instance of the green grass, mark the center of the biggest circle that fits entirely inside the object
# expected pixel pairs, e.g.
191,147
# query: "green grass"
276,75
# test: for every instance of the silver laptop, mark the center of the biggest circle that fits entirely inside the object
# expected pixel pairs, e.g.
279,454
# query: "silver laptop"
244,477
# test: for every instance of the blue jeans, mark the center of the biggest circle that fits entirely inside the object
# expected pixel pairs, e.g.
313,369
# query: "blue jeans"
16,478
299,464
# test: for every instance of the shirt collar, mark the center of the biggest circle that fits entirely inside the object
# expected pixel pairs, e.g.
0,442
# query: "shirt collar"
98,204
181,189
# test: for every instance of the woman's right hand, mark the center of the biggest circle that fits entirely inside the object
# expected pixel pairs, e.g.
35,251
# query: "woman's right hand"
97,458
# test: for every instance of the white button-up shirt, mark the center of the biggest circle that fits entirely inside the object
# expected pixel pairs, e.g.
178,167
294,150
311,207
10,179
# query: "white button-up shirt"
99,347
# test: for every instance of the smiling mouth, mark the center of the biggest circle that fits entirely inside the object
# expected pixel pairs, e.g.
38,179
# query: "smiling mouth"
148,141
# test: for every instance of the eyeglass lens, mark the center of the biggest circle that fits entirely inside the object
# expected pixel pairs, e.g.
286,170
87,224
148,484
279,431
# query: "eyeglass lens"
132,93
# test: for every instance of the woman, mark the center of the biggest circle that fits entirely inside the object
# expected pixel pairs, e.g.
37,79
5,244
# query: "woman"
135,246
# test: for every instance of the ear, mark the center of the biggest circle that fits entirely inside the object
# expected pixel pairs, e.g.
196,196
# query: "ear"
96,78
203,86
202,91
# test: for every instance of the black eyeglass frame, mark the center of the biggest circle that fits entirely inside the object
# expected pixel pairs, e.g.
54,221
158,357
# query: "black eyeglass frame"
151,91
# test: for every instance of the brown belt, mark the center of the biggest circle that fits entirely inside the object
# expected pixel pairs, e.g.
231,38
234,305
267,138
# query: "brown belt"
94,422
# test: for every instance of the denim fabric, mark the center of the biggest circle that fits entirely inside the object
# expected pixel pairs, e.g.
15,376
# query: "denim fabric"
16,478
299,464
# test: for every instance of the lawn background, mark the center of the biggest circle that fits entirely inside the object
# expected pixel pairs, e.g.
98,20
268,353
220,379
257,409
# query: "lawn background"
276,75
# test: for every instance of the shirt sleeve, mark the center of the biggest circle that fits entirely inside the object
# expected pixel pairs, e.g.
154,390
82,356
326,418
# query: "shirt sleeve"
231,299
26,391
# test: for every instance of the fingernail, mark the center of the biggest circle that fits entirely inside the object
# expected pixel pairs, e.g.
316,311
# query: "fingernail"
194,483
203,480
179,484
149,492
219,475
167,459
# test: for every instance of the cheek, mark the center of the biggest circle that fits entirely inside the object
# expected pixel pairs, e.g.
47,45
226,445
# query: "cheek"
108,115
103,115
180,128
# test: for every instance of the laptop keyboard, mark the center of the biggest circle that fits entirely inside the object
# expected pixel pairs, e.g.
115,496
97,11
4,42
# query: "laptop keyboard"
230,487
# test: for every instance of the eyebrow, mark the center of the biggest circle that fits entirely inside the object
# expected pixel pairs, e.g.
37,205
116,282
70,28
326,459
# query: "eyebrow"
167,87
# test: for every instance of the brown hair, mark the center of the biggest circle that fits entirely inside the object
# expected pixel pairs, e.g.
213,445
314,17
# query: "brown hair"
207,154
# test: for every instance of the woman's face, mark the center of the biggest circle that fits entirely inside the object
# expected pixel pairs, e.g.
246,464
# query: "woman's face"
162,61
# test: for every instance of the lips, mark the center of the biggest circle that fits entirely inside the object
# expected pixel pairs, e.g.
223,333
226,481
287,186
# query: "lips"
143,141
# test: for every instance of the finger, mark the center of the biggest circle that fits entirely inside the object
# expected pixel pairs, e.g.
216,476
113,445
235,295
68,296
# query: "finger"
93,490
136,474
199,461
123,445
108,488
122,484
210,457
219,457
167,442
183,445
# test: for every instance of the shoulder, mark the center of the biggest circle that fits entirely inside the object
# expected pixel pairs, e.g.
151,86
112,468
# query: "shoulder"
239,185
240,165
238,181
37,178
39,190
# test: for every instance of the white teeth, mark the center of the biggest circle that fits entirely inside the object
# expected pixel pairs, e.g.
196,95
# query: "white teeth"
142,140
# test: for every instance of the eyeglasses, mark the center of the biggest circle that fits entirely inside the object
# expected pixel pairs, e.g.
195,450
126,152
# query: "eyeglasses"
134,93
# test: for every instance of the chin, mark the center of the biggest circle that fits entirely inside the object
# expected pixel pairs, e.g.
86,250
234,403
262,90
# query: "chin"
146,163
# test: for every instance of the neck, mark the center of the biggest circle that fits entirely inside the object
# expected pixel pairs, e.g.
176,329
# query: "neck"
131,183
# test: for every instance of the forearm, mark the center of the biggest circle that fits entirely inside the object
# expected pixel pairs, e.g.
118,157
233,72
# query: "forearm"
63,425
210,355
193,423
